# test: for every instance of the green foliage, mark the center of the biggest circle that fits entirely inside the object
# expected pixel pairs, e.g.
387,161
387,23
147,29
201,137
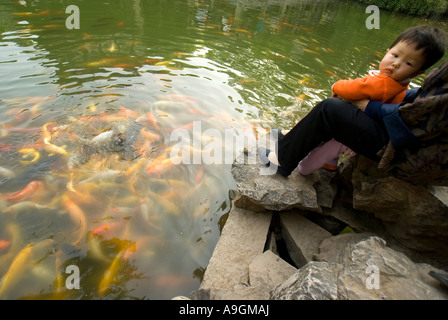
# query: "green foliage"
413,7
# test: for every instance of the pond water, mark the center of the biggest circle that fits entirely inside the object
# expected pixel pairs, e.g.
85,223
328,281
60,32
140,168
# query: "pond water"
87,116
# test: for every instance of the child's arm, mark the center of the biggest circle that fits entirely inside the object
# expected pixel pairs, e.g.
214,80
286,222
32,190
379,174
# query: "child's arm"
400,135
359,89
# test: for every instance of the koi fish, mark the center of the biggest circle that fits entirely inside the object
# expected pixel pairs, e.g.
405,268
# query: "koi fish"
331,73
95,248
149,136
304,80
127,113
137,246
103,138
15,271
102,62
53,26
27,192
152,119
151,61
34,153
110,273
301,97
319,61
22,14
130,251
310,51
47,138
18,267
78,217
163,63
4,245
112,48
166,204
108,229
159,165
134,168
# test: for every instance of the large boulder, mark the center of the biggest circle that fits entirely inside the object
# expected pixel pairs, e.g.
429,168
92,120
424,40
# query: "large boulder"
416,216
366,270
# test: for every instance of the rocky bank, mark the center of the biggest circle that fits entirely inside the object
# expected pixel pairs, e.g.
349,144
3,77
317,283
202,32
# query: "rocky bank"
349,235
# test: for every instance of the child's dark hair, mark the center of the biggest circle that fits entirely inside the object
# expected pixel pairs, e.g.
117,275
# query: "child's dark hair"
432,40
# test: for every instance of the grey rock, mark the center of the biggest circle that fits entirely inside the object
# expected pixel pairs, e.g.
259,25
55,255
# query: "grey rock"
315,281
330,248
259,192
268,270
302,237
416,216
366,270
243,238
397,277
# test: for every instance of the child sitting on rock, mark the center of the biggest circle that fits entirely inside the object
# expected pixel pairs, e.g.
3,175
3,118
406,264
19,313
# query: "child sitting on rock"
410,55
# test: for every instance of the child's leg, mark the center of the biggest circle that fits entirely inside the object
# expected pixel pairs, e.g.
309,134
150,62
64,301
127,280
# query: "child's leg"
326,153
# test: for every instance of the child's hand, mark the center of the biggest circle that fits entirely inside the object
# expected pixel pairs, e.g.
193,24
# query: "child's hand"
361,104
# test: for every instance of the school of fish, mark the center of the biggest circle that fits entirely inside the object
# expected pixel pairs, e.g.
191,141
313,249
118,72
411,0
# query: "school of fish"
92,180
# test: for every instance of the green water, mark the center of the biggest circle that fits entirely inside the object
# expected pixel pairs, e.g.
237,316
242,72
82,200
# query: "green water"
136,226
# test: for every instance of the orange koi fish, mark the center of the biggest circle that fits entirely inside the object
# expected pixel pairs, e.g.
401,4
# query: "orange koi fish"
108,229
4,245
149,136
53,26
130,251
78,217
331,73
151,61
27,192
124,112
310,51
159,165
152,119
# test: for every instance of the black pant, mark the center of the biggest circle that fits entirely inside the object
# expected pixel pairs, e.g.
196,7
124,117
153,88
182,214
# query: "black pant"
332,118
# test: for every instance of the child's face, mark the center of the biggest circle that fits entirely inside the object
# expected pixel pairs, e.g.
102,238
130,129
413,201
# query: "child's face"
402,62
